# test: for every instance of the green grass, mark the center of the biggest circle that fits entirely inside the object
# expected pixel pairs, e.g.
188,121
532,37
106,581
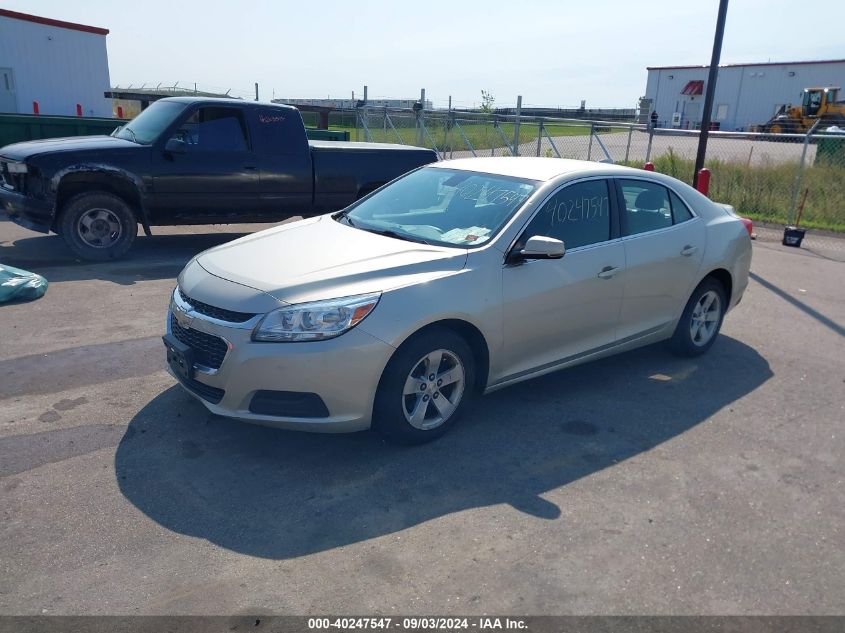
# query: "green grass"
805,224
481,134
764,192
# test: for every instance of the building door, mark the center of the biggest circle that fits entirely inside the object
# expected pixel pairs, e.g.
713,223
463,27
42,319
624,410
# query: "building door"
8,102
692,113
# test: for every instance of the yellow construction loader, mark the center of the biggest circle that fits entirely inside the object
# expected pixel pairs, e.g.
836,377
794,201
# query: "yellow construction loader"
818,104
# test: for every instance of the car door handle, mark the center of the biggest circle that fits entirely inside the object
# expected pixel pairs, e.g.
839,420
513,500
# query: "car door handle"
608,272
250,167
688,250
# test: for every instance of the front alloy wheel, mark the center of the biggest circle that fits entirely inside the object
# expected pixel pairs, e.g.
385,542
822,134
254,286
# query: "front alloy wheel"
433,390
99,228
424,387
98,225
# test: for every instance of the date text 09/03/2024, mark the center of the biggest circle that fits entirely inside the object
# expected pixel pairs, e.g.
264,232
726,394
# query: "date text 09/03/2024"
416,623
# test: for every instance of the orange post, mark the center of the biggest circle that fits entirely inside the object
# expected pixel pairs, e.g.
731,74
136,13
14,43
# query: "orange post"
35,108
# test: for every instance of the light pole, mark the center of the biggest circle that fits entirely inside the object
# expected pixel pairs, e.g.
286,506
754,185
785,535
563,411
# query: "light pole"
711,89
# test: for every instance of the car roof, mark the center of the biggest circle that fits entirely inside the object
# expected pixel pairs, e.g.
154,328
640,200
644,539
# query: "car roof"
533,168
223,101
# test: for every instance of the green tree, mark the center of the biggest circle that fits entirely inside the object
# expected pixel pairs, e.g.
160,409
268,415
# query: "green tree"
487,101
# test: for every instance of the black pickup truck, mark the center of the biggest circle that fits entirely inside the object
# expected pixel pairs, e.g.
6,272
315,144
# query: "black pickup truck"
189,160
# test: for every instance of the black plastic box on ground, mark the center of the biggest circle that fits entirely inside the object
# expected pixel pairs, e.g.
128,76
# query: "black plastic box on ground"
792,236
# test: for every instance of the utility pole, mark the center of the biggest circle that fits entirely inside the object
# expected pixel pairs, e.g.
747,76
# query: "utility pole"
421,120
516,125
711,89
256,91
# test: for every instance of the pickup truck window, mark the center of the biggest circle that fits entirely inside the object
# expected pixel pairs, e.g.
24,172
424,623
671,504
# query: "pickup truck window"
214,129
448,207
149,125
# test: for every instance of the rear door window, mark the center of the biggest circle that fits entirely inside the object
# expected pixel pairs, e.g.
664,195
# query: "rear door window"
647,206
278,131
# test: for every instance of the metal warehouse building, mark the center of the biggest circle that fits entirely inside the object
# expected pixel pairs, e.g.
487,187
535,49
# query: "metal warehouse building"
57,64
746,94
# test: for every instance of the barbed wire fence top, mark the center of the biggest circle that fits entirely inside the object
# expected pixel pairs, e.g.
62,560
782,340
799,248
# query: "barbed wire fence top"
763,175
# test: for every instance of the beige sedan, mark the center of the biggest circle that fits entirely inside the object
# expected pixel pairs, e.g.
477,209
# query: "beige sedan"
454,280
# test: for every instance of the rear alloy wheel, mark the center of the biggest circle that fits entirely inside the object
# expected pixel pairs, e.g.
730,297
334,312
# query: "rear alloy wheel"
98,226
701,320
705,318
424,387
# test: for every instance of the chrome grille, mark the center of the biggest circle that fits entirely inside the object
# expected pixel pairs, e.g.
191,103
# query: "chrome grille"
214,312
209,350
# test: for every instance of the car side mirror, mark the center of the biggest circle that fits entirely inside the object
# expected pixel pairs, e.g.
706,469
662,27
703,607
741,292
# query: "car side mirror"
176,146
539,247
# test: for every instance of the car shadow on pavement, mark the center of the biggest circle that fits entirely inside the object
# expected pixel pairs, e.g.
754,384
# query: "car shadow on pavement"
156,257
278,494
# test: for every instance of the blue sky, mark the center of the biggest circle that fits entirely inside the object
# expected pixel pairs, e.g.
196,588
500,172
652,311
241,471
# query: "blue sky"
551,52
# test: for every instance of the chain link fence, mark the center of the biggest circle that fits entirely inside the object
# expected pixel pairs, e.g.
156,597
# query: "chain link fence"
768,177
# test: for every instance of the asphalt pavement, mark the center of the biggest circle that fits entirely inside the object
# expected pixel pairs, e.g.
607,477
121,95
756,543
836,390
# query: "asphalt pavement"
639,484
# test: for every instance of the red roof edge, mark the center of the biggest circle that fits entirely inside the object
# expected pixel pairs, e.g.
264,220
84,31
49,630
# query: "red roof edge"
802,63
26,17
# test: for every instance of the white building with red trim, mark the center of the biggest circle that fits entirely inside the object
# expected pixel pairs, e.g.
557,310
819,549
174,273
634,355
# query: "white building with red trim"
746,94
57,64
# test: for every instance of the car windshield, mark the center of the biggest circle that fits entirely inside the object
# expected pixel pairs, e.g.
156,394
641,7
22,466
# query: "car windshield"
448,207
148,126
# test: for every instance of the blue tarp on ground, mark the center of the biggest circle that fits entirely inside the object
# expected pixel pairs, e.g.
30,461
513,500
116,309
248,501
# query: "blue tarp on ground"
20,285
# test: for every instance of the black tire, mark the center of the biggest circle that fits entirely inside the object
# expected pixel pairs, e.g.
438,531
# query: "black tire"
98,216
683,341
391,404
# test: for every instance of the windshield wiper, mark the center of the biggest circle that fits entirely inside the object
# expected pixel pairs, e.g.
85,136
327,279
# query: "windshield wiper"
129,129
398,236
343,216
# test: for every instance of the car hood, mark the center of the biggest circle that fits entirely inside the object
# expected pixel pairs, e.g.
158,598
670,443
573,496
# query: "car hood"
29,149
320,258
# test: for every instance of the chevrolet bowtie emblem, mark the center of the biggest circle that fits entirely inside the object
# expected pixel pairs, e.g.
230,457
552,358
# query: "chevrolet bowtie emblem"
183,319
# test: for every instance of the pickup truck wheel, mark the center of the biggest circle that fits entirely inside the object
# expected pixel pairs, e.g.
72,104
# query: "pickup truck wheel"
98,226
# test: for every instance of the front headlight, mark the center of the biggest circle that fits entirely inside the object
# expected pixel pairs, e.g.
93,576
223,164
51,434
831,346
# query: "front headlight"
315,321
17,168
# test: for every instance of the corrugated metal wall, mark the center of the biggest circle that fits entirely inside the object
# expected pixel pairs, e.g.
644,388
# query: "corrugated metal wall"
749,95
58,67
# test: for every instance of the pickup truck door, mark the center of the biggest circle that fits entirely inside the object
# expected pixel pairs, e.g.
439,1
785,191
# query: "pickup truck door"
286,179
212,171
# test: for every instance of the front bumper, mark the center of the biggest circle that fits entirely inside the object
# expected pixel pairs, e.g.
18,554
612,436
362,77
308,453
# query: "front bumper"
344,372
28,212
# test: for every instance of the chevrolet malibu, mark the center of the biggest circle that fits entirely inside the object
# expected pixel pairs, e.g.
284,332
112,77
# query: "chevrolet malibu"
454,280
